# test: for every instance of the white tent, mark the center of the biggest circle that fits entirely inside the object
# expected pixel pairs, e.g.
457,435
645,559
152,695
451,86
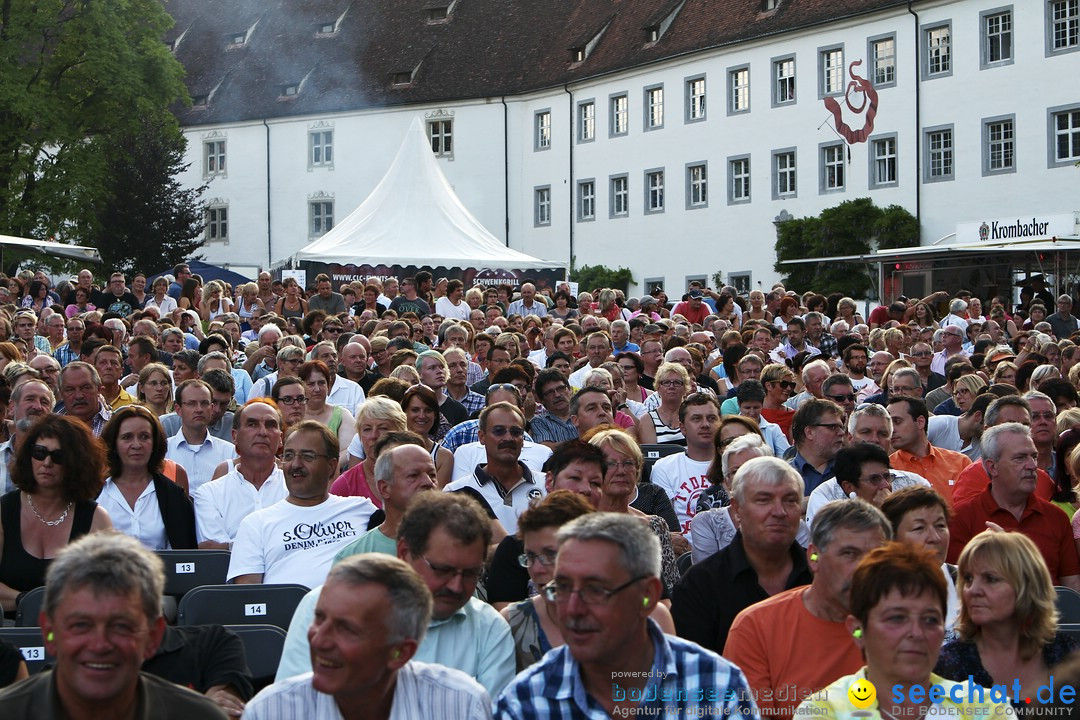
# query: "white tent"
413,217
75,252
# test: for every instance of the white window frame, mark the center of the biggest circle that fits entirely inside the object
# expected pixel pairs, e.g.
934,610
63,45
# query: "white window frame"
738,87
833,159
697,185
695,98
619,206
586,121
654,107
883,67
1054,134
542,130
783,86
999,145
999,39
937,51
830,70
785,166
943,155
654,191
214,158
321,148
887,160
619,125
740,188
586,200
320,217
217,223
441,137
1062,26
542,206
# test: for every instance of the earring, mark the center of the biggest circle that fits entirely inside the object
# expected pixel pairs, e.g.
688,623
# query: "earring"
50,637
813,557
857,633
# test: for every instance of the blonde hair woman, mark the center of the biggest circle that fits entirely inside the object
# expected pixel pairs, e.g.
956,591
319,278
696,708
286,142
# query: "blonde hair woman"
376,417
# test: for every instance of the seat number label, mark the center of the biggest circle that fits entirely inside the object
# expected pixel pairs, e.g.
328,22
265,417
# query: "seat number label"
255,609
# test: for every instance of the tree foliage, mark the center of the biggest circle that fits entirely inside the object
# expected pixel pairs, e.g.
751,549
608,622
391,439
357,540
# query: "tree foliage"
854,227
76,74
147,220
598,276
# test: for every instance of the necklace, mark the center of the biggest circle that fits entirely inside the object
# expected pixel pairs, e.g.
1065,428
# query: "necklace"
50,523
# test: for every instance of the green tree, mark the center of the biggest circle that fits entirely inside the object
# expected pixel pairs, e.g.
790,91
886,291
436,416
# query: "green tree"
147,220
853,227
589,277
75,72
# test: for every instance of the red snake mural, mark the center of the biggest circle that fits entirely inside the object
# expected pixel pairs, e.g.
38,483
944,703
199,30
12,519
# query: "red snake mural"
861,86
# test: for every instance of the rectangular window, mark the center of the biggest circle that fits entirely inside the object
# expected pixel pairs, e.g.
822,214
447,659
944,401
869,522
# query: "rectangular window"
784,81
883,161
832,71
739,179
587,121
217,224
999,145
586,200
697,191
654,108
997,38
321,214
321,146
620,115
1063,17
738,90
695,99
832,167
883,54
937,44
441,134
1065,136
620,196
939,154
215,157
543,130
542,202
654,191
784,172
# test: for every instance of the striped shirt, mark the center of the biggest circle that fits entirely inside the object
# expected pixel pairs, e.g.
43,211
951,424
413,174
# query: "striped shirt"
686,680
423,691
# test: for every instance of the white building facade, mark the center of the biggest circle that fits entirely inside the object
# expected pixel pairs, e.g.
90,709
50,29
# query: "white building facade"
680,168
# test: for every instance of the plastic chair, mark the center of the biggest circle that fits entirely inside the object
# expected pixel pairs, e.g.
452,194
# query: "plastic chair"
186,570
240,605
654,452
26,614
684,562
30,644
1068,605
263,646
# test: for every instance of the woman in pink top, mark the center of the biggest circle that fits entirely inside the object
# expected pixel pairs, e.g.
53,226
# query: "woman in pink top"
376,417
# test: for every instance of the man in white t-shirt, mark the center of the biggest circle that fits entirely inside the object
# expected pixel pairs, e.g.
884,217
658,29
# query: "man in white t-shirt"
295,540
451,305
684,476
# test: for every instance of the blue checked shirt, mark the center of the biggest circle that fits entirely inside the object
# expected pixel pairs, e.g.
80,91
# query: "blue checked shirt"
64,354
548,428
687,681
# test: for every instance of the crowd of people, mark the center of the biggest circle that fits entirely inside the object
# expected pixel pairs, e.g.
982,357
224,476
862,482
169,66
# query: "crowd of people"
740,504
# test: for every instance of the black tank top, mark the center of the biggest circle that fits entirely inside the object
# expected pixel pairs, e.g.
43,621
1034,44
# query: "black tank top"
20,570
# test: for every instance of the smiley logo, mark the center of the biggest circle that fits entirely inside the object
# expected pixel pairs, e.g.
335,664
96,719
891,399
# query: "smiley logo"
862,693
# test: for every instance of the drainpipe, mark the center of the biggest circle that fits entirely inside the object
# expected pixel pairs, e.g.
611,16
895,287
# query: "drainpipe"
269,245
570,182
506,168
918,121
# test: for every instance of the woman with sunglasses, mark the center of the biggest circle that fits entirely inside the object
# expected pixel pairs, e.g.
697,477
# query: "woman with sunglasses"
142,501
57,471
662,425
422,417
779,383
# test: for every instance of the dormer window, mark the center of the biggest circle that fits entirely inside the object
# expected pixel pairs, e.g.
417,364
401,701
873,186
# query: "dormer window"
239,38
290,90
578,54
176,42
401,79
200,102
436,14
652,34
770,4
326,29
659,23
438,11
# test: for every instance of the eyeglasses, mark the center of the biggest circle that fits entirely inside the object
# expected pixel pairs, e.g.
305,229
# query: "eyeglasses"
622,464
923,353
501,431
298,400
835,427
528,559
557,592
850,397
671,383
505,386
557,390
445,573
334,329
785,384
306,456
40,452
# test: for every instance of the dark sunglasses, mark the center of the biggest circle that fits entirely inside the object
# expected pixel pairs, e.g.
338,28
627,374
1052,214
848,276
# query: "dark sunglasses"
841,398
786,384
40,452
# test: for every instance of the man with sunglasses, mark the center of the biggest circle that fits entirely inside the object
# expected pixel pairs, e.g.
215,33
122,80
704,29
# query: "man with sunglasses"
922,356
503,483
606,585
952,339
444,537
295,539
839,389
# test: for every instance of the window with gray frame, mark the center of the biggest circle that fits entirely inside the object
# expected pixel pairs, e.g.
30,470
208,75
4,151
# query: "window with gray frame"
999,145
739,90
542,206
783,81
831,70
620,196
620,114
321,148
586,200
697,191
883,169
543,130
939,153
654,191
217,223
586,121
1064,135
997,37
739,179
654,107
441,134
214,152
1063,26
695,99
784,185
937,49
321,217
883,57
833,168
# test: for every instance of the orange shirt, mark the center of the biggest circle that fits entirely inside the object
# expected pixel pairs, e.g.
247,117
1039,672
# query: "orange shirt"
940,467
974,480
787,653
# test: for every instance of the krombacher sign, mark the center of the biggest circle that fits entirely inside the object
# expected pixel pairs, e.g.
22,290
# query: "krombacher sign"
1016,228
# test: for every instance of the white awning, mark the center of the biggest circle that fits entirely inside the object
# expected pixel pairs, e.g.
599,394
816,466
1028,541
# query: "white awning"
75,252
